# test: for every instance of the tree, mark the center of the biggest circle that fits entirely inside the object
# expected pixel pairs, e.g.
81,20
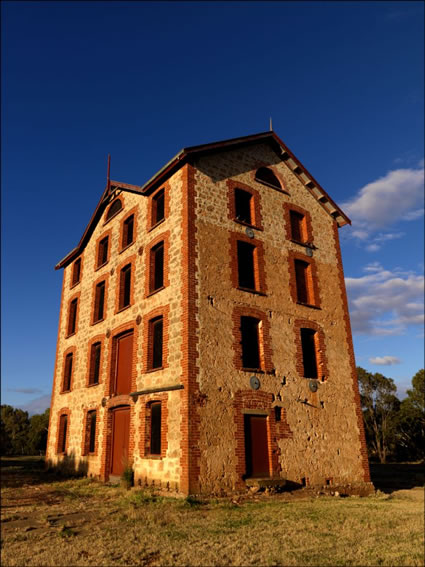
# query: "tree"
15,428
37,434
380,408
411,420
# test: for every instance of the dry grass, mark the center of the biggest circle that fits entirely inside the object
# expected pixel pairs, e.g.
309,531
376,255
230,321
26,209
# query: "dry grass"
79,522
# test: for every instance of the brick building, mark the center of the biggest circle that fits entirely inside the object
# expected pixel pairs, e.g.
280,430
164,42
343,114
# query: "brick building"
204,335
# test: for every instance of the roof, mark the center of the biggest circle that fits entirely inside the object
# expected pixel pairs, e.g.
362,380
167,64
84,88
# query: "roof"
187,154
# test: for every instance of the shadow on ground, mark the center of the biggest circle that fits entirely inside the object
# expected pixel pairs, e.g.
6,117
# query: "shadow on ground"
20,471
396,476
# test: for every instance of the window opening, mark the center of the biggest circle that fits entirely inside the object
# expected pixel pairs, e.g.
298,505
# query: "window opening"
72,316
297,226
155,441
99,303
250,342
102,256
63,426
114,209
76,271
125,286
95,363
246,271
128,231
156,340
157,267
302,276
158,207
308,345
92,431
243,201
66,386
266,176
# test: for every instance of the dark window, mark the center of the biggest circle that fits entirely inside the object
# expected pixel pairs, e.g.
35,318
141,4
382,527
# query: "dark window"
250,342
156,342
76,271
155,444
67,376
157,267
302,276
308,345
128,231
99,302
114,209
266,176
297,226
125,286
95,353
246,271
243,201
102,253
63,426
158,207
91,417
72,320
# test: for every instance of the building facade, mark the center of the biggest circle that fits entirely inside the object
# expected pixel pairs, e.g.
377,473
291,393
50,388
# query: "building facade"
204,336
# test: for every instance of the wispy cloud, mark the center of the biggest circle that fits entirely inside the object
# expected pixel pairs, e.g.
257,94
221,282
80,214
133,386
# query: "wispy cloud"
25,390
384,302
385,360
39,405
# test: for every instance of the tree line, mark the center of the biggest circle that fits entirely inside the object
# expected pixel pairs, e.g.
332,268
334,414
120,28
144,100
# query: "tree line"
395,430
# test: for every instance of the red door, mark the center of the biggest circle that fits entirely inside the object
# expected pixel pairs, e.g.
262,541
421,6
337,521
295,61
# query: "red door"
124,364
256,446
120,436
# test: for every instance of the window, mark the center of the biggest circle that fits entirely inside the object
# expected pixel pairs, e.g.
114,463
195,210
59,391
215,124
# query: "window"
250,342
267,177
94,372
99,302
303,282
308,345
298,231
72,317
156,327
125,287
63,430
155,427
102,253
76,272
67,374
157,267
91,423
246,270
243,206
114,209
158,207
128,232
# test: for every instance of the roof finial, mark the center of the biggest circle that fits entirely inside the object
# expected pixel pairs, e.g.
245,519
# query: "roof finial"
108,174
271,127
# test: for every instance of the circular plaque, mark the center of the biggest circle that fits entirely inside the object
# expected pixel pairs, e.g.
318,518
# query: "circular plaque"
313,385
249,232
254,382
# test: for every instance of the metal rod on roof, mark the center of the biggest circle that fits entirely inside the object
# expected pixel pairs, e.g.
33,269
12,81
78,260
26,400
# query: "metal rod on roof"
270,126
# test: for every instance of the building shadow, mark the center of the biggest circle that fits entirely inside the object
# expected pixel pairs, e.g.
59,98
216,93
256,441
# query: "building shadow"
389,477
20,471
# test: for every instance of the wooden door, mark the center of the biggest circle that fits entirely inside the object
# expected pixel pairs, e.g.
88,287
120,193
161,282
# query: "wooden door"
120,437
123,364
256,446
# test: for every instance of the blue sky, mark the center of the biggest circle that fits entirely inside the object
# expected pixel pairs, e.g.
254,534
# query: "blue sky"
343,82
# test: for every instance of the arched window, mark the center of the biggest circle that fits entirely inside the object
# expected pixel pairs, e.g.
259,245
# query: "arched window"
266,176
114,209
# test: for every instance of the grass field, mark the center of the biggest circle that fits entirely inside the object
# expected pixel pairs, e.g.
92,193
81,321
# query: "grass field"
46,521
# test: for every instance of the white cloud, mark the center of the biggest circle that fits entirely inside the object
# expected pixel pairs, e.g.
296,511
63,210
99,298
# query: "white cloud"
384,302
373,247
413,215
39,405
385,360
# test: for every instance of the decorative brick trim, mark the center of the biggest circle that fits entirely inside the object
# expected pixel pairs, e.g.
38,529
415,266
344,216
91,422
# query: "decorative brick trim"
107,437
259,264
96,339
71,350
72,285
190,419
256,216
77,297
275,171
145,424
163,237
163,312
166,187
59,433
307,224
350,347
106,233
312,278
94,306
266,351
320,347
130,326
119,197
133,212
262,401
119,289
85,446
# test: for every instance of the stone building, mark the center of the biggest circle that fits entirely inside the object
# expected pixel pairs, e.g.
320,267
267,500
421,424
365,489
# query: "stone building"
204,336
